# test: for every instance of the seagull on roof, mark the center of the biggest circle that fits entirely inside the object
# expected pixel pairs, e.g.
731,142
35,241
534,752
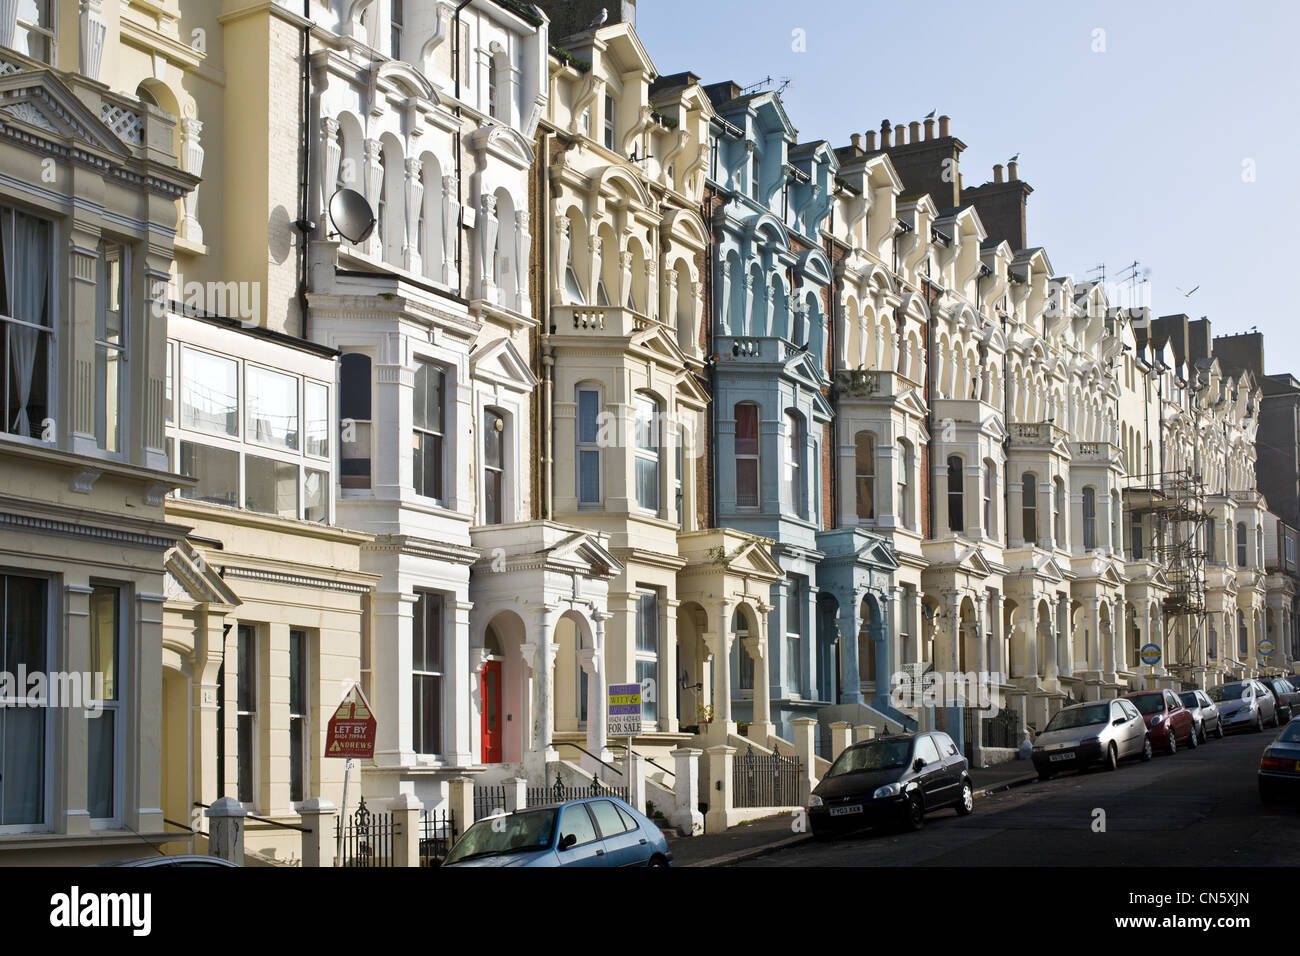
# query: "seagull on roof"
1014,158
930,115
599,19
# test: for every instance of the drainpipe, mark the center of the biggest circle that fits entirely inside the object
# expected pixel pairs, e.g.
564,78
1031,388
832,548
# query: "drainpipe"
1006,449
545,413
305,226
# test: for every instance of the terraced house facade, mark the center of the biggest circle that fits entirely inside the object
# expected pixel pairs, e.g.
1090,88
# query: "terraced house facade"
629,383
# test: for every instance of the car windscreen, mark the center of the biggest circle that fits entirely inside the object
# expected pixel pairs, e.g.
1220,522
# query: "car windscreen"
1292,733
1229,692
1079,717
1149,703
877,755
527,832
1189,699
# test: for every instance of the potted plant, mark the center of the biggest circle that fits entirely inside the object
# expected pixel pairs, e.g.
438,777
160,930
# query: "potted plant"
704,713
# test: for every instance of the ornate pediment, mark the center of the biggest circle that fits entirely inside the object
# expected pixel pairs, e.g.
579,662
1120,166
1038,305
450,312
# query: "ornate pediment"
500,363
41,101
582,547
189,578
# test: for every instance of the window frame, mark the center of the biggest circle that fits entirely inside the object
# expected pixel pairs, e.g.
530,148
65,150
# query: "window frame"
31,704
1088,512
650,453
865,480
50,33
1029,508
956,496
103,346
491,417
642,655
114,705
793,485
423,433
584,448
423,613
300,717
55,277
756,456
246,674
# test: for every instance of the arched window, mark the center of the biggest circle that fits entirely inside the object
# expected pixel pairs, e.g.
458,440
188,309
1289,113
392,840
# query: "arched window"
990,498
587,446
1241,544
1029,508
865,456
744,663
956,497
647,453
794,463
904,513
747,455
1089,519
572,287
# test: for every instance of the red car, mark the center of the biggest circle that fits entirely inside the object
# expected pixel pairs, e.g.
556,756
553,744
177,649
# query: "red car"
1170,723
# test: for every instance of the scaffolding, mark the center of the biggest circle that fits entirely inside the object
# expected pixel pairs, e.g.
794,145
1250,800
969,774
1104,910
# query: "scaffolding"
1175,539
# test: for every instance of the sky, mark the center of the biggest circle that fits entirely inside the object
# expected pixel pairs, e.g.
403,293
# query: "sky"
1152,131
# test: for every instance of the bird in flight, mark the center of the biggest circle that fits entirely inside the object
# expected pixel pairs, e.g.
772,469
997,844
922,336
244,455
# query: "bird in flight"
1187,294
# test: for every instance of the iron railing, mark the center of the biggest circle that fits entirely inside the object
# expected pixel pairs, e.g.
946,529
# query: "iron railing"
367,838
559,793
489,800
437,833
765,780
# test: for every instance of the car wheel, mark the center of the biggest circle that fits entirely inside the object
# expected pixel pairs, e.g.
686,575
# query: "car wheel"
1146,748
1112,758
966,805
1173,741
657,861
1200,732
913,813
1192,742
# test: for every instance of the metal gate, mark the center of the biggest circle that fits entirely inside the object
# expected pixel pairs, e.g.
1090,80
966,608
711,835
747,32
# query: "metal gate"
559,793
437,833
765,780
367,838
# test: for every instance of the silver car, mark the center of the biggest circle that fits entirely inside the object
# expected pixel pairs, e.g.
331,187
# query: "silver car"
1102,731
1245,705
1205,713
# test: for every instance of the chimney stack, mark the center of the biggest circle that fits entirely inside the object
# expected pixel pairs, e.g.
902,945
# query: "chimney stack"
997,173
900,134
1013,171
871,141
943,126
856,140
915,131
929,129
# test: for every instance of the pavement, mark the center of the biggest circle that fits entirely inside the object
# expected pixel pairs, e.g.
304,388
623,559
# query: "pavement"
757,838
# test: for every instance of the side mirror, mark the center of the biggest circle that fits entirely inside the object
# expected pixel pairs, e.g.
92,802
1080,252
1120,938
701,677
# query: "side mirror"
919,763
567,840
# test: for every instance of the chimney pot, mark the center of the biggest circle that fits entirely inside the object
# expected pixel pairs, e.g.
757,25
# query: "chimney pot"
856,140
871,141
1013,171
943,126
884,134
997,173
929,129
900,134
915,131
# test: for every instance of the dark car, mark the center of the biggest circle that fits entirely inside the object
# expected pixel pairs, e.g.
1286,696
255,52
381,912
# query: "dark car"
1205,712
1170,724
1287,695
596,831
896,779
1279,767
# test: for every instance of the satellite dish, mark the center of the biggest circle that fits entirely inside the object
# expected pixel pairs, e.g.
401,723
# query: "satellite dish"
351,215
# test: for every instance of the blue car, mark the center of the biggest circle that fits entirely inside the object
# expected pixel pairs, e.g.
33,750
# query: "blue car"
597,831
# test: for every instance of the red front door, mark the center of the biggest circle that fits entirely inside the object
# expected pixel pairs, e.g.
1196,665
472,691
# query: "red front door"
492,712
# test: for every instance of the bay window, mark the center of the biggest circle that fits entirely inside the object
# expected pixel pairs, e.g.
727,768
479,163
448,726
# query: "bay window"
429,430
426,674
24,754
494,430
864,450
647,653
587,452
110,345
272,408
647,453
747,455
26,326
104,749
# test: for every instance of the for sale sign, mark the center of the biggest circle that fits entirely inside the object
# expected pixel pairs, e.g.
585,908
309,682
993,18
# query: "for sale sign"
624,710
351,730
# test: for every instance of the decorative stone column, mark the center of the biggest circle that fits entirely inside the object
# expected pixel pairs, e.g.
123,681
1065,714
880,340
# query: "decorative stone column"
851,692
332,157
486,229
669,313
191,162
450,231
92,33
596,255
374,173
761,728
523,247
414,197
560,260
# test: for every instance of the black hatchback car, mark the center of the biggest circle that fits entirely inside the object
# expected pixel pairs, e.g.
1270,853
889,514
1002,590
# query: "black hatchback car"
1287,694
895,779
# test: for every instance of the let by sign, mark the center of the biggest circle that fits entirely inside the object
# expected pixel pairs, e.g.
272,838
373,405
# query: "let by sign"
351,731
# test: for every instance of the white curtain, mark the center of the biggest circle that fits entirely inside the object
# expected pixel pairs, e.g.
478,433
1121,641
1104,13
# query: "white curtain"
26,275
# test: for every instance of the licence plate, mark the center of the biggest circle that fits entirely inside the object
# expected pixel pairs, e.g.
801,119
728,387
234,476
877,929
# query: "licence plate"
845,811
1055,757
